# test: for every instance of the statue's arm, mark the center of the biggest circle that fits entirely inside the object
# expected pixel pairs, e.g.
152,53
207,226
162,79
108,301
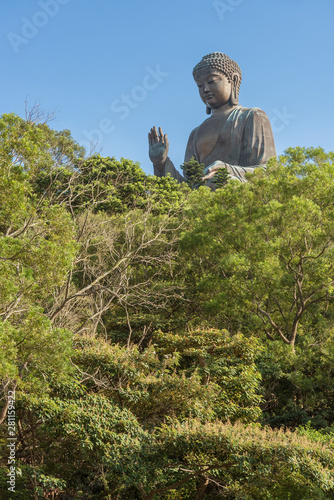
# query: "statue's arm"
159,146
257,140
168,168
235,172
158,153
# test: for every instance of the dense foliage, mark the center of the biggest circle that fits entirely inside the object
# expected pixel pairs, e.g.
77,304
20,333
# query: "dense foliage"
163,342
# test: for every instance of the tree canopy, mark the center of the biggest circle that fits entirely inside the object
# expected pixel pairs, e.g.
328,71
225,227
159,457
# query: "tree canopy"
163,342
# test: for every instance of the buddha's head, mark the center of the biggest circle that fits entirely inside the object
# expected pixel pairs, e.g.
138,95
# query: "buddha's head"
218,78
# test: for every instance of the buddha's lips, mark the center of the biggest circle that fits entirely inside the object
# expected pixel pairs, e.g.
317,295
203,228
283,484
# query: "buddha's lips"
210,96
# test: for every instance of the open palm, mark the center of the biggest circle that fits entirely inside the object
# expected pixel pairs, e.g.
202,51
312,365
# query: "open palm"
158,147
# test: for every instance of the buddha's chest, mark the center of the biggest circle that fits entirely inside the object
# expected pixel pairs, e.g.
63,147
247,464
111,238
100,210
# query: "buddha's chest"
211,132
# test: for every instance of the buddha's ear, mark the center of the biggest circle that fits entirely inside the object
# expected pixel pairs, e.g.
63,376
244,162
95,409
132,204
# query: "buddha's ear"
235,89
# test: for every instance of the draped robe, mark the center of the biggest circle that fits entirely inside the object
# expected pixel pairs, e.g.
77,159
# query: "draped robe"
244,142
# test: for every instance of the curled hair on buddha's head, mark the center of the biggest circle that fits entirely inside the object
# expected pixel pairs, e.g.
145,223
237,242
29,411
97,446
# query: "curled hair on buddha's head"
220,62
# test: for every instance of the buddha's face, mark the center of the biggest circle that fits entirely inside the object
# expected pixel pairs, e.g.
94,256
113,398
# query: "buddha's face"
214,88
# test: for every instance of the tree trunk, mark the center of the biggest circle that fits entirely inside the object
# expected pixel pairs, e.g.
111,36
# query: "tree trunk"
201,488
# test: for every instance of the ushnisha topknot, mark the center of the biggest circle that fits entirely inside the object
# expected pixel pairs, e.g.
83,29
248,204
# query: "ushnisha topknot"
221,62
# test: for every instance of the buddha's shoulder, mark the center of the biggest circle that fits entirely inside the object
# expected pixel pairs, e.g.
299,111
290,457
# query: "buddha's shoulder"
193,132
252,113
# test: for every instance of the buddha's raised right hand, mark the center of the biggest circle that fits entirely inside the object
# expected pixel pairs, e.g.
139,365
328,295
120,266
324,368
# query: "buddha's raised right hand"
158,147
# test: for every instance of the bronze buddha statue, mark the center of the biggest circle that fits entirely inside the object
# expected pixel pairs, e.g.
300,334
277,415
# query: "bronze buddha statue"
237,138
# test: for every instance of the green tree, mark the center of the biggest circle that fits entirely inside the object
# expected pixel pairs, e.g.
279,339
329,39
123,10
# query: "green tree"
194,173
35,146
221,177
108,453
95,431
104,184
225,363
117,292
259,259
37,247
263,251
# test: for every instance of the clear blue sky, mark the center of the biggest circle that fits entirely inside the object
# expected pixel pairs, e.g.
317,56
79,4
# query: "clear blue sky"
112,69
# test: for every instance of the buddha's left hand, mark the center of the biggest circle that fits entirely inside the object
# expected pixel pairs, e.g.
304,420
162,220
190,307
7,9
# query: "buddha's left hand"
212,169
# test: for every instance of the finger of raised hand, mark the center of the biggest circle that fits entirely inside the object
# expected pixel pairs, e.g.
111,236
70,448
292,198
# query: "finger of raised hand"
155,134
166,140
161,135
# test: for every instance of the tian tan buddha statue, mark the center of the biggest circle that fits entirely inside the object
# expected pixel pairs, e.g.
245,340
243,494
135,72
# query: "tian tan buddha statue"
239,139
